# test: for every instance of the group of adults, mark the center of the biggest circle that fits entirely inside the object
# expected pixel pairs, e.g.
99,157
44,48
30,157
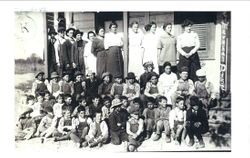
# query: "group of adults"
103,52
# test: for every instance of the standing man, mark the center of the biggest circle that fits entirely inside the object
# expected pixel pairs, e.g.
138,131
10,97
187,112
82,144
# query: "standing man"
78,48
51,50
166,48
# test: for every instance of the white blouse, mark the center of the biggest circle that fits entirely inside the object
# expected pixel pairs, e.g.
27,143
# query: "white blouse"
188,40
113,39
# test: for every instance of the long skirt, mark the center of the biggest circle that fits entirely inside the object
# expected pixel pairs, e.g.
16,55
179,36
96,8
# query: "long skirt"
193,63
115,61
101,63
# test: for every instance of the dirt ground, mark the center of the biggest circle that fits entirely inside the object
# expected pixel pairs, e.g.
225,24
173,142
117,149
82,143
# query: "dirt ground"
22,83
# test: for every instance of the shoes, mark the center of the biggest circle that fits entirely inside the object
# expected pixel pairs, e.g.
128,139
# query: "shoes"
92,144
148,136
84,144
168,139
55,139
201,144
157,137
42,140
100,144
191,142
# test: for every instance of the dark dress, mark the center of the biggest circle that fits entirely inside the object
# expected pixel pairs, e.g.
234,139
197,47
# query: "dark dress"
193,63
115,61
99,51
78,55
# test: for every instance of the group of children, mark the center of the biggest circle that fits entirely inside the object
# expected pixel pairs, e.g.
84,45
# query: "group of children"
91,112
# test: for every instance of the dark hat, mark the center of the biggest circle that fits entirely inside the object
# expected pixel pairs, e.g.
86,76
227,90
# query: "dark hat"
54,75
115,103
40,72
77,73
151,74
48,109
130,75
184,69
52,31
77,32
194,101
70,29
106,74
61,29
149,63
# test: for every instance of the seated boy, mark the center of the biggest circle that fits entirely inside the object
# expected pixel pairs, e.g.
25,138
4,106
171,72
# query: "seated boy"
196,122
98,132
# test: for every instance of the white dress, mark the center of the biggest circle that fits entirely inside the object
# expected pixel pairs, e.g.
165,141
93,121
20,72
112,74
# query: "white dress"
149,43
135,53
90,59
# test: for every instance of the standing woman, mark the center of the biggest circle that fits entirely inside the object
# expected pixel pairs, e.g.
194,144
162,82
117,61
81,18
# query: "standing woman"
187,45
135,49
149,45
90,59
113,42
78,52
98,50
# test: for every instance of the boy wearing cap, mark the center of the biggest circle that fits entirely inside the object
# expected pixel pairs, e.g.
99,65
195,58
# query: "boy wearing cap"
117,87
131,88
183,87
196,122
148,67
38,85
66,86
78,48
26,126
53,86
117,123
105,87
204,89
98,131
134,129
79,87
166,81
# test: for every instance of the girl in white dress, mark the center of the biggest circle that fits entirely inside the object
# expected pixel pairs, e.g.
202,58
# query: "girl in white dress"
89,57
149,44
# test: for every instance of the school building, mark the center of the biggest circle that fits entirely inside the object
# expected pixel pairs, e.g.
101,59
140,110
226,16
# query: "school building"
213,29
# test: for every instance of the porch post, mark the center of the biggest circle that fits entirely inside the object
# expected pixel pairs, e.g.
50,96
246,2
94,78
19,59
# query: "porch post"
125,40
45,33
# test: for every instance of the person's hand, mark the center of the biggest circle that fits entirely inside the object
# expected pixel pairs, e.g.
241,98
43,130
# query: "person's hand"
119,124
134,136
197,124
74,65
187,55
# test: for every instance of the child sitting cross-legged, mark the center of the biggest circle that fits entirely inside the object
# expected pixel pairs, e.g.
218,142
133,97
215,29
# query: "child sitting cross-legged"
80,127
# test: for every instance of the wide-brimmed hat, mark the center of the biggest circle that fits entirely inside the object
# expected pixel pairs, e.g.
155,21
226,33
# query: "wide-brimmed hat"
26,110
130,75
70,29
54,75
194,101
52,31
77,73
118,76
106,74
149,63
201,72
39,73
77,32
115,103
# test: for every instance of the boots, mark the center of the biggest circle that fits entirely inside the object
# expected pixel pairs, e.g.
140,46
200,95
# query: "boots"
201,144
148,135
157,137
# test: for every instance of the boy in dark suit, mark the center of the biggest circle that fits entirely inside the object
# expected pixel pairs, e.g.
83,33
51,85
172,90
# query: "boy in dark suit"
196,122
